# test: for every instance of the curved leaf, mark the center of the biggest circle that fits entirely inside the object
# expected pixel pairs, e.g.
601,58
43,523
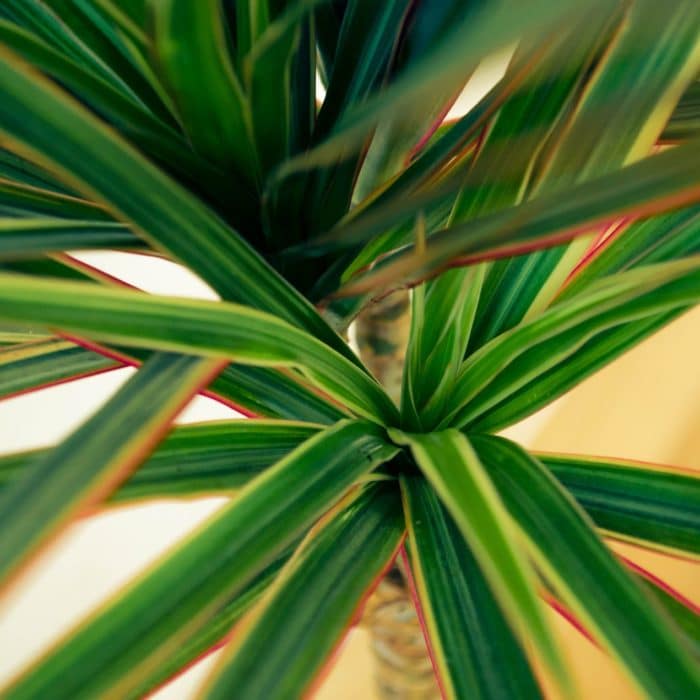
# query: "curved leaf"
217,329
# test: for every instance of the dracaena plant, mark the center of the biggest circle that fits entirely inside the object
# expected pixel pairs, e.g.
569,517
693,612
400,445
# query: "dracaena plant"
541,234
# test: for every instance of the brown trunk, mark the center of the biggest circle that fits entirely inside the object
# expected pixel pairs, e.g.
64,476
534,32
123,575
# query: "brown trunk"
403,667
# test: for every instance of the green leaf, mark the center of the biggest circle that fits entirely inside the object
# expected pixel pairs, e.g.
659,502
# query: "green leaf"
213,633
586,574
438,343
443,69
685,120
61,134
27,238
36,364
279,74
40,20
597,352
650,505
107,42
653,185
192,56
120,646
95,458
288,639
657,239
160,140
471,641
455,472
20,171
198,459
684,613
20,199
216,329
520,355
268,392
617,120
260,390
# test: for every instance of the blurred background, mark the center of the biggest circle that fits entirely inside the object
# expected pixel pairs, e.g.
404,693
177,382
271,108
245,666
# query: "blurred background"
644,406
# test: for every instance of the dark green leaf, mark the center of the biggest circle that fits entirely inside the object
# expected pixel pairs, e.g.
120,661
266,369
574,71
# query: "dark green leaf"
471,641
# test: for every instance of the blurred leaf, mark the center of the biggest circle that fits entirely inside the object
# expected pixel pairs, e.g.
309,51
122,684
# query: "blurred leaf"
617,120
96,457
20,199
684,614
654,185
119,647
442,70
471,641
125,111
27,238
657,239
106,40
311,604
586,574
685,120
280,79
193,58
